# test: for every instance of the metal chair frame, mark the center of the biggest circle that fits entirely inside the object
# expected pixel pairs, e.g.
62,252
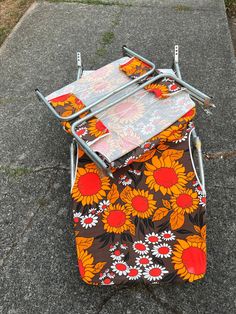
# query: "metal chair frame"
194,92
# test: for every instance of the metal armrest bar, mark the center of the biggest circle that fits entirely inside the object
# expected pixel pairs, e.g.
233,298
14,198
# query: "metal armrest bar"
47,103
132,54
181,82
84,145
73,116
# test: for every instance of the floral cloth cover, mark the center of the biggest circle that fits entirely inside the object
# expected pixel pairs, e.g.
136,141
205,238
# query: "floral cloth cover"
147,224
127,125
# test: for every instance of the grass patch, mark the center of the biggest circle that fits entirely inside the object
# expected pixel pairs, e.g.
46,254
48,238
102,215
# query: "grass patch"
107,38
182,8
10,13
93,2
101,52
15,172
230,7
3,33
12,10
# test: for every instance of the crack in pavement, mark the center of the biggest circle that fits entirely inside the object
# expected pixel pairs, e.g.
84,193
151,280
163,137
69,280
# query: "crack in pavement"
220,155
166,305
150,292
14,170
109,297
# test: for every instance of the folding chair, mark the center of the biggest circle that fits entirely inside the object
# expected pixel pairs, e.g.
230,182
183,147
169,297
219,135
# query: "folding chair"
138,202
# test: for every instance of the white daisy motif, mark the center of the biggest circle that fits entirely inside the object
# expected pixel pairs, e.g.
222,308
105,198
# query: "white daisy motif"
122,177
140,247
134,273
124,180
182,139
81,132
137,172
92,210
117,255
173,87
152,238
155,272
168,236
155,120
148,128
111,275
143,260
129,160
107,282
162,250
120,268
147,146
112,247
203,201
103,205
89,221
198,189
167,79
76,217
102,276
124,246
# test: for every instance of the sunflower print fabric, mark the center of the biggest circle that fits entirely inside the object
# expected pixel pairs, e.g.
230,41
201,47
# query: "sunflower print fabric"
162,88
147,224
68,104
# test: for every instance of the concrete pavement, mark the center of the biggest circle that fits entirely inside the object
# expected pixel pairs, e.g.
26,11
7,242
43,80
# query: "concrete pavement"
38,261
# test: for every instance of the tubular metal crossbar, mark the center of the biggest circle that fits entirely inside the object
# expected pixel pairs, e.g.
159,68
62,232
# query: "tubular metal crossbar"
128,52
94,157
194,92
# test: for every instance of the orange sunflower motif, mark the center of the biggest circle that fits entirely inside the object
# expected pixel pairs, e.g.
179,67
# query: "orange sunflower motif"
86,267
165,175
173,133
139,203
186,199
160,91
86,264
189,258
188,116
89,187
69,102
116,219
66,105
135,67
97,128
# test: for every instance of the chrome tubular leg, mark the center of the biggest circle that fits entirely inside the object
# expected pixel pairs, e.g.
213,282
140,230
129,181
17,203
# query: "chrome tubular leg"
176,62
72,162
198,145
79,65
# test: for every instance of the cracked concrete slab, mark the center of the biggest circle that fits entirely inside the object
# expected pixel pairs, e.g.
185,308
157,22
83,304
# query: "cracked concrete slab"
39,272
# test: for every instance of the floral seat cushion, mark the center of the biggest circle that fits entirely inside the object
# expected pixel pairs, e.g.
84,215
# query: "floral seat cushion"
147,224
